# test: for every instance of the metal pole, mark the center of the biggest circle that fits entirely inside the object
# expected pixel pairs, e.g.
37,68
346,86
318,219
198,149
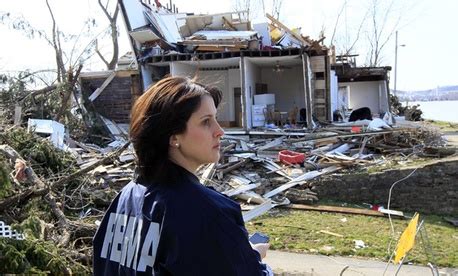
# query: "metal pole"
395,63
308,89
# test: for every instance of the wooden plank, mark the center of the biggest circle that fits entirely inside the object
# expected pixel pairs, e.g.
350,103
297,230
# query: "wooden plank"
99,90
331,233
335,209
279,24
320,84
229,24
318,64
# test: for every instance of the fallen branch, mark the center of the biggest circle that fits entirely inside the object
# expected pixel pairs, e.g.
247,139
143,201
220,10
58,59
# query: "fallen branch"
62,220
22,197
58,184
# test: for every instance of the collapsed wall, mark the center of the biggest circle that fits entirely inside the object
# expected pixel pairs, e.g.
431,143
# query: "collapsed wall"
431,189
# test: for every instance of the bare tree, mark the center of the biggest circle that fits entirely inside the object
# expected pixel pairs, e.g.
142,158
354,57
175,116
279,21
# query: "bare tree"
371,32
65,76
276,8
55,42
344,40
243,6
380,31
253,8
114,35
344,6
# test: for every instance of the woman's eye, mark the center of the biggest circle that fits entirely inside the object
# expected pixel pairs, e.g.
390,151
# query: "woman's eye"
206,122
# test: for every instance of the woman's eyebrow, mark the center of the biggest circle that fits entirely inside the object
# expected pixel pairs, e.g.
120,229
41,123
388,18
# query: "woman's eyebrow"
206,115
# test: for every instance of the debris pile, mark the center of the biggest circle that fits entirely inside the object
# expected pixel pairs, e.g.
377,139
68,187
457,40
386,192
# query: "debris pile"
172,33
255,169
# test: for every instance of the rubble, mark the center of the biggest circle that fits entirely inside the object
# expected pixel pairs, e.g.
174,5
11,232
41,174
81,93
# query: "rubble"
251,170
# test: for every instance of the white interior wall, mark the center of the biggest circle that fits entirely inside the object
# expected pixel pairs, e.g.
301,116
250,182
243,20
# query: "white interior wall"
233,82
219,79
364,93
252,76
334,90
288,87
384,103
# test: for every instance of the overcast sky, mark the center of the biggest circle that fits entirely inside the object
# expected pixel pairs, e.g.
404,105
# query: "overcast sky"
427,60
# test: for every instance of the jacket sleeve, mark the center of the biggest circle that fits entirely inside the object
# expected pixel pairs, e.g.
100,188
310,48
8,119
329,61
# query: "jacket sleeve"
235,247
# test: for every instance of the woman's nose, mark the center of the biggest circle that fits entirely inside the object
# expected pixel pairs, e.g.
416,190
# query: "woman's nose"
219,131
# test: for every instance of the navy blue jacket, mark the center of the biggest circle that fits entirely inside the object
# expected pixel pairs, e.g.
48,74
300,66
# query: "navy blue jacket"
180,228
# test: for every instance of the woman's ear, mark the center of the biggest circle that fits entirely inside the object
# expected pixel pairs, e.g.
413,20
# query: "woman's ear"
173,141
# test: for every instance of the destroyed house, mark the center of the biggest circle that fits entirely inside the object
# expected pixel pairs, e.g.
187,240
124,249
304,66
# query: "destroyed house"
361,87
268,73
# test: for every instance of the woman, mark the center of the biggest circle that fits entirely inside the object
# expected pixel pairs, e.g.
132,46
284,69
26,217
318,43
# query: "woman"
165,222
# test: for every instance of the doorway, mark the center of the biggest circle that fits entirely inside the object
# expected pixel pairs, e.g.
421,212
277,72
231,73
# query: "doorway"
238,106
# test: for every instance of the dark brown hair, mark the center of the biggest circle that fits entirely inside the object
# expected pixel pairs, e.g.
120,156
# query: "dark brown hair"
162,111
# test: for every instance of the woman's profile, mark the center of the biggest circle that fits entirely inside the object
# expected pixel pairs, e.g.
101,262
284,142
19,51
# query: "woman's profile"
164,222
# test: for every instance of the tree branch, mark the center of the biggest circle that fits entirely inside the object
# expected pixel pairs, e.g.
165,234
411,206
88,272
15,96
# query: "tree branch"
114,36
56,46
61,182
69,87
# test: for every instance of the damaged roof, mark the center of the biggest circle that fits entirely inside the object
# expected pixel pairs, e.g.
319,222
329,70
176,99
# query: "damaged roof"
165,35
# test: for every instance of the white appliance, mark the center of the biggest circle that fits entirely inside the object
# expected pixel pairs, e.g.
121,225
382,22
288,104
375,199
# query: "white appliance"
267,99
258,118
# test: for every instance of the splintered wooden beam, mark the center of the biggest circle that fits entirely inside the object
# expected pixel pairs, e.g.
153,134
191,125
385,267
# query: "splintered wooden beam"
229,24
279,24
99,90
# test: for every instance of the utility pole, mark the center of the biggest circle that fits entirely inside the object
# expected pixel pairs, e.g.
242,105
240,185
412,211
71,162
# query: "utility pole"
396,62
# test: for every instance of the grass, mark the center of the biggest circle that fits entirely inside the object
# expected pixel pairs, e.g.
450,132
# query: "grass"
444,126
299,231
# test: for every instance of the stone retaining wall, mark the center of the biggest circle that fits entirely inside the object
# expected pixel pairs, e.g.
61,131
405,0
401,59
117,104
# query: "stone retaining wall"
432,189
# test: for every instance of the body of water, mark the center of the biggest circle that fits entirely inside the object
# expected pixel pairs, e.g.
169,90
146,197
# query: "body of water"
439,110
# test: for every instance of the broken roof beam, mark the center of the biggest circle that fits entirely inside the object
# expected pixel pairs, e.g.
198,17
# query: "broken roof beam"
229,24
288,30
99,90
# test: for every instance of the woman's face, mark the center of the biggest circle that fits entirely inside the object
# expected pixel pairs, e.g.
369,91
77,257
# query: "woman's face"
200,143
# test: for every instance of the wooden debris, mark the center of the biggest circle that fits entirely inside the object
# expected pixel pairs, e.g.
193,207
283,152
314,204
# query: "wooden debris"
335,209
331,233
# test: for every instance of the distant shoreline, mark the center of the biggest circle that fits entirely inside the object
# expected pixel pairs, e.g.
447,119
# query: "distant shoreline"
440,110
428,100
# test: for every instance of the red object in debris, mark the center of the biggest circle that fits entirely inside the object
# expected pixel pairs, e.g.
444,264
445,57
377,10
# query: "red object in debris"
355,129
291,157
375,207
